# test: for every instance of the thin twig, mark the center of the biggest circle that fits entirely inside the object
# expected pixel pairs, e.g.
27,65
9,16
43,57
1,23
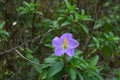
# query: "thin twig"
93,29
40,42
27,41
26,58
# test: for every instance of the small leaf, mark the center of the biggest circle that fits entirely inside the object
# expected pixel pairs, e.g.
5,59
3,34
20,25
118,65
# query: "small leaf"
86,29
38,68
50,60
72,74
78,52
87,19
108,50
26,3
1,25
29,53
48,45
43,75
29,56
82,12
40,13
67,4
4,34
114,78
97,75
21,48
97,43
94,60
79,75
57,67
76,16
65,23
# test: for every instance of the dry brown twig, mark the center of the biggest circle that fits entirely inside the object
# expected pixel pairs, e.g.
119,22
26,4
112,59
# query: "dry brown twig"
44,34
26,58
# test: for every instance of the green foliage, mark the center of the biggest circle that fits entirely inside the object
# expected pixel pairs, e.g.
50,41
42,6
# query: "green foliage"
106,43
57,67
29,8
3,33
71,17
29,55
75,67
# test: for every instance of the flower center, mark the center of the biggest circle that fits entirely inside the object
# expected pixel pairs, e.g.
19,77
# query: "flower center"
65,44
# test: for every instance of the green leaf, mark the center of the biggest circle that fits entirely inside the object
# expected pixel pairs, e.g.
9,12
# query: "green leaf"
38,12
86,29
77,53
29,56
108,50
57,67
58,76
37,67
65,23
94,60
1,25
43,75
114,79
96,42
82,12
21,48
71,18
76,16
87,19
49,45
97,75
72,74
67,4
26,3
79,75
29,53
5,33
50,60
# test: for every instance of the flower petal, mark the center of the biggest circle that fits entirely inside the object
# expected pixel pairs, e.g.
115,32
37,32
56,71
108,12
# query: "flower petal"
56,42
70,52
73,43
66,35
59,51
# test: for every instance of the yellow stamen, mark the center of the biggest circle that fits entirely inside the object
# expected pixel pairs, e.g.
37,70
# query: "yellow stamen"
65,43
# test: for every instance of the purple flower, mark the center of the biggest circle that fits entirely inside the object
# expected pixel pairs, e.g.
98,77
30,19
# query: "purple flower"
65,44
